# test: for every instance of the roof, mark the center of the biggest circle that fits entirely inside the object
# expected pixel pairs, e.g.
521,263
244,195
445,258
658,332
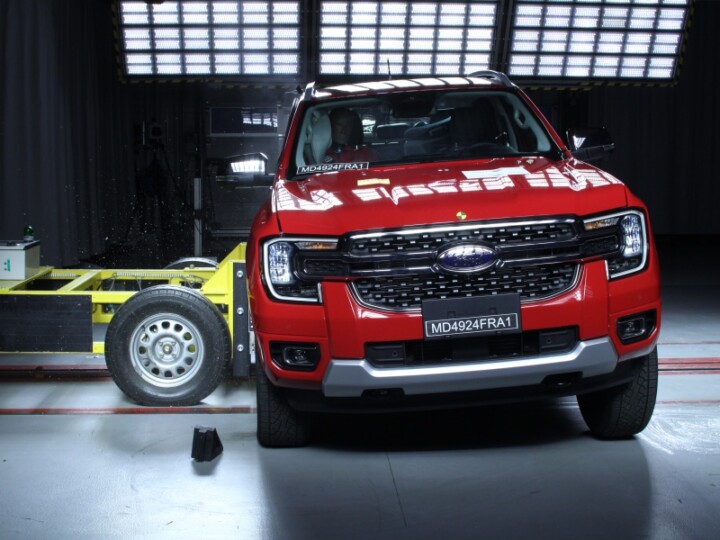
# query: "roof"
486,78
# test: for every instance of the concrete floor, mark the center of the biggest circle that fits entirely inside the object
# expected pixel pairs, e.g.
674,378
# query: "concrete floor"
78,460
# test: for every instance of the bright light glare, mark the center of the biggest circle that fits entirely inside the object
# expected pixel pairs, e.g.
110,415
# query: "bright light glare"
256,166
203,27
592,38
593,33
414,38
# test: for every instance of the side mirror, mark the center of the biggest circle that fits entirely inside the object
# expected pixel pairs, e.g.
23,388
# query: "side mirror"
590,144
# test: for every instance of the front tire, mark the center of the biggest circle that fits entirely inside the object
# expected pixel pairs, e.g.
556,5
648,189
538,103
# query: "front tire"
621,412
278,424
167,346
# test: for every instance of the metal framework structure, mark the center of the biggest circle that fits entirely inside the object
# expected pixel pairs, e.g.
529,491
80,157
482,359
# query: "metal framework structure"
67,310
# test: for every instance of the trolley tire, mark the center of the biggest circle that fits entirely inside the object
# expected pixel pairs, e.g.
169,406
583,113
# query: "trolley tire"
191,263
278,424
623,411
168,346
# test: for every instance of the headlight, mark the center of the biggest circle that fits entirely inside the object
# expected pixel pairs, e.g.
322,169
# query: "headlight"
632,236
278,264
633,241
279,269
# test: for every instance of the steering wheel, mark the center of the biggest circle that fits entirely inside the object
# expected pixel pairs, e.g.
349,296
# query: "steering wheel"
485,149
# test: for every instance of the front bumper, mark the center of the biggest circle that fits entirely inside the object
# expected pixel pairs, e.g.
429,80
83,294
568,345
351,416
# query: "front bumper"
355,378
341,328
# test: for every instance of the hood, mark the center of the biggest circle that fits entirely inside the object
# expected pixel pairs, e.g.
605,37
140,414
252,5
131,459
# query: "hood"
334,203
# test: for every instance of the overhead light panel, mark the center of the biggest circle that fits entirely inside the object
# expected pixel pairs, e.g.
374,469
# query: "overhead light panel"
406,38
562,40
597,39
190,38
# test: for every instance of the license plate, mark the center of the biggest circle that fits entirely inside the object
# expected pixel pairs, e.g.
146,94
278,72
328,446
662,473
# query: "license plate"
462,317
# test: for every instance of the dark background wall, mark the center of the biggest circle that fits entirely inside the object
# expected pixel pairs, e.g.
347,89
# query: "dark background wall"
72,162
65,162
667,138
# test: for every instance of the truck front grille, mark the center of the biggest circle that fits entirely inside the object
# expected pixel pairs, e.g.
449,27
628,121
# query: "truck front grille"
407,292
395,270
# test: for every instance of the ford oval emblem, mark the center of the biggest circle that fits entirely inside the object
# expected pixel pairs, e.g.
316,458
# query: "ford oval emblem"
464,258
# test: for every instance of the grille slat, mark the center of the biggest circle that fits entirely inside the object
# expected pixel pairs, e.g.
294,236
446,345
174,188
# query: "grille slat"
408,292
414,242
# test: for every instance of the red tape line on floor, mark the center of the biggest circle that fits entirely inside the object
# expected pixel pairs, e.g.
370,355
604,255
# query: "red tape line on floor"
710,365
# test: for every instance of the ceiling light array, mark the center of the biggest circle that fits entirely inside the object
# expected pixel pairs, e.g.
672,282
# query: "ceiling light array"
405,38
211,38
591,39
548,39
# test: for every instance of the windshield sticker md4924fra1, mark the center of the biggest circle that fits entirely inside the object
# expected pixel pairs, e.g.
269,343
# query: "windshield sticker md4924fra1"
332,167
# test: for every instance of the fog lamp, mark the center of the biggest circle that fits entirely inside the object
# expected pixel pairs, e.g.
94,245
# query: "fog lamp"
295,356
636,327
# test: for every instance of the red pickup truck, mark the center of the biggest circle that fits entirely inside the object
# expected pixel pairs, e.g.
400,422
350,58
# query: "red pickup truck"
433,243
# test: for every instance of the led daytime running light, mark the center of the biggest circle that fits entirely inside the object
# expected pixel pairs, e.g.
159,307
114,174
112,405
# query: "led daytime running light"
317,245
601,223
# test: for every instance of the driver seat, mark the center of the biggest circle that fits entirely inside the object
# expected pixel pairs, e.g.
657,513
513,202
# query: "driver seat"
473,125
321,138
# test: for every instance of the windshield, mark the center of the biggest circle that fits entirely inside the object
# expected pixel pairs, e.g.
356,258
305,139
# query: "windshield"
416,127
